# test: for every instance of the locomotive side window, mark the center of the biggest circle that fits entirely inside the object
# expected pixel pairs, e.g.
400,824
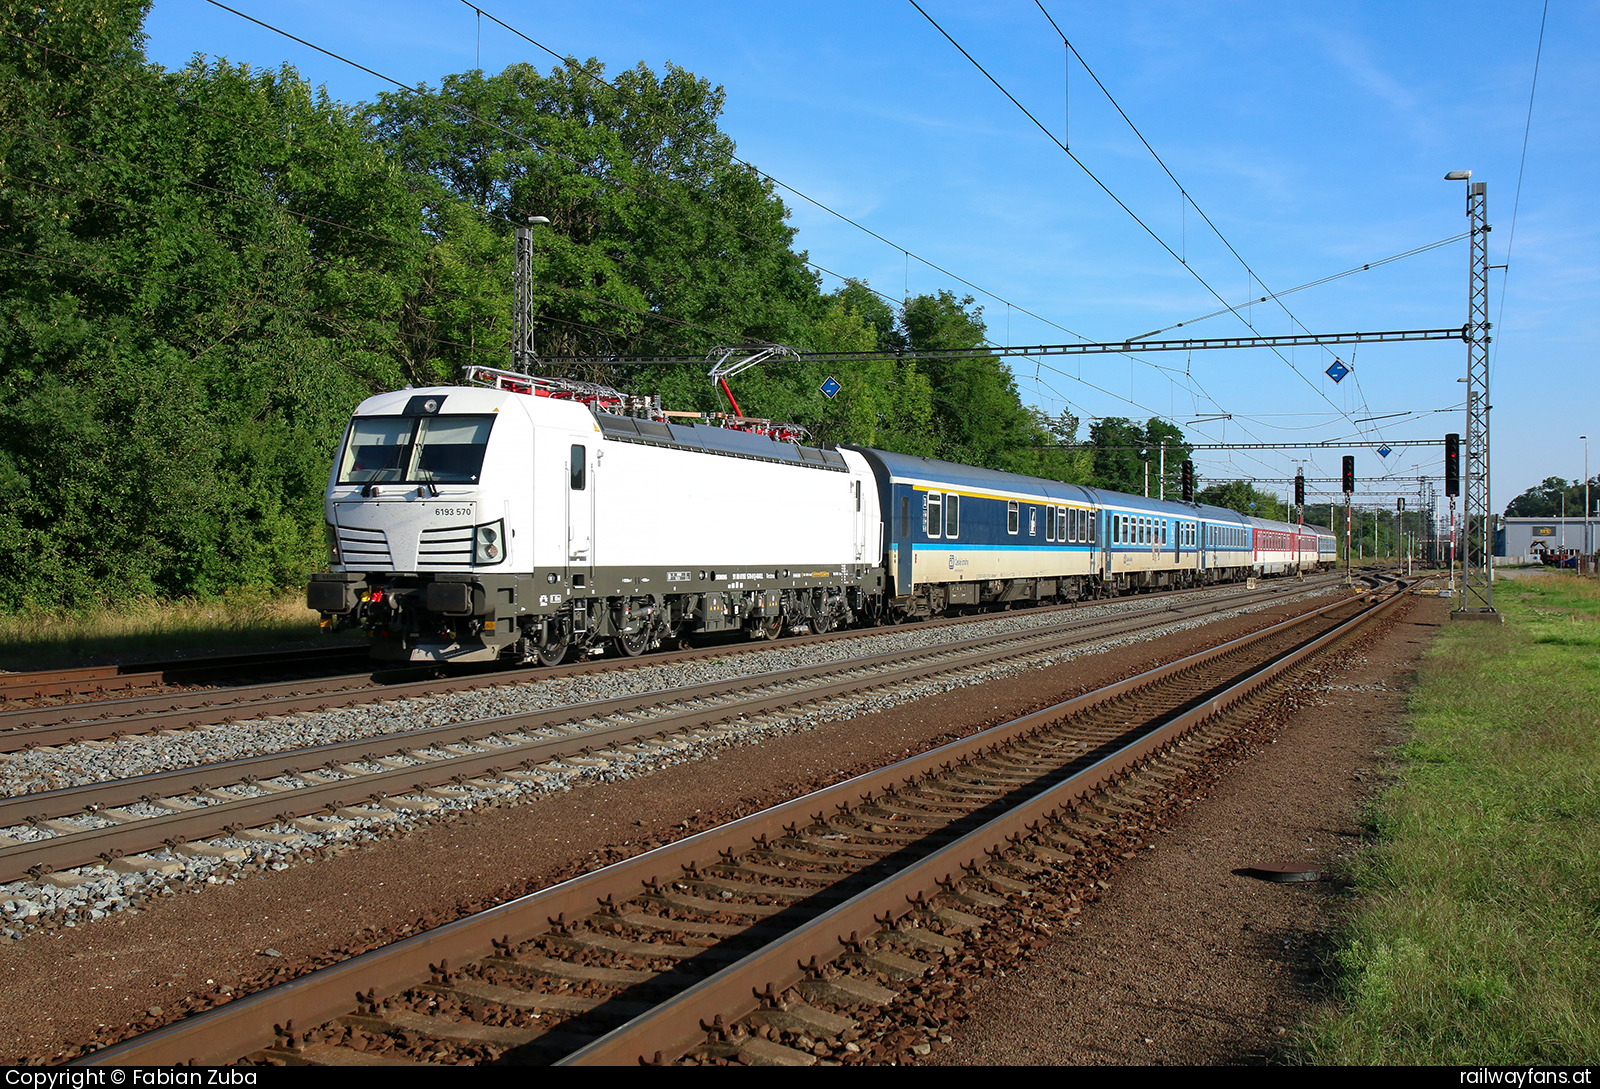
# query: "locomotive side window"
1011,518
952,516
580,467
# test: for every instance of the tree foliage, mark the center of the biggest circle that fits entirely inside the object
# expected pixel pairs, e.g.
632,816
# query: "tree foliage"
1122,449
1550,498
203,271
1243,497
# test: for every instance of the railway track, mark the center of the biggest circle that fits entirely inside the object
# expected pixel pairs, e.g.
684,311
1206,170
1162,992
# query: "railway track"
273,796
70,723
774,938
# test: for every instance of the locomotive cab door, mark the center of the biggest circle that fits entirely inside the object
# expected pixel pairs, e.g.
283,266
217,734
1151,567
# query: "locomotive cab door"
580,512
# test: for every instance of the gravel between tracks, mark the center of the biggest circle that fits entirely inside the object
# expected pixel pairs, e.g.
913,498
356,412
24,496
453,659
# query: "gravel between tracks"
144,966
143,754
27,905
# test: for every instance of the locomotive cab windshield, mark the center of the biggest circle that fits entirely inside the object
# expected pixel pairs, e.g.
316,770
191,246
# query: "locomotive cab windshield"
415,450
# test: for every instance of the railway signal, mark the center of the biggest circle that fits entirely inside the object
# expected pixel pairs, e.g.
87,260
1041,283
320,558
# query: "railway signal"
1452,465
1186,476
1349,473
1299,489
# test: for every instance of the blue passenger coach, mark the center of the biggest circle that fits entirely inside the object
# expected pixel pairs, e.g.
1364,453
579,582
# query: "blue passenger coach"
958,536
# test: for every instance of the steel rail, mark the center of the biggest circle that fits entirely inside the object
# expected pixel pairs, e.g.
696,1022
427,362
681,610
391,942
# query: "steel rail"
72,849
247,1025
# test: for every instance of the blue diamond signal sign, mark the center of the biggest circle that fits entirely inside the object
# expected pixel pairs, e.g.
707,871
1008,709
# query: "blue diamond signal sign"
1337,371
1384,451
831,388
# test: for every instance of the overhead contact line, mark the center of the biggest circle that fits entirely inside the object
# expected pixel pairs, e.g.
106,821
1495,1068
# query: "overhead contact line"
1120,203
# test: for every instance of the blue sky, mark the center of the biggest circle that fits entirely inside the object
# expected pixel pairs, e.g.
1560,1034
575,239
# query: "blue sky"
1315,138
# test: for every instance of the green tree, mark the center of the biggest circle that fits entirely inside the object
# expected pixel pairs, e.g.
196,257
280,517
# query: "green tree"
1243,497
1550,498
206,269
649,213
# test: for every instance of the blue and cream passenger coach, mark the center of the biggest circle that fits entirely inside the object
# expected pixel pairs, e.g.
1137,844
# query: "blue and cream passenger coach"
958,535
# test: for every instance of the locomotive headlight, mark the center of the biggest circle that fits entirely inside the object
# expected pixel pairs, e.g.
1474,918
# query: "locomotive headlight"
490,543
331,535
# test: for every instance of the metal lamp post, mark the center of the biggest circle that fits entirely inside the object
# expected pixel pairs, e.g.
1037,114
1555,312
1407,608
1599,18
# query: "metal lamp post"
523,357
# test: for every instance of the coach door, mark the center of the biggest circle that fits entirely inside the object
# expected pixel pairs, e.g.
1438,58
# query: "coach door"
1104,518
902,518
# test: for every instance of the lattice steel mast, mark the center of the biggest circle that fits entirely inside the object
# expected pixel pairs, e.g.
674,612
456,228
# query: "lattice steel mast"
1477,585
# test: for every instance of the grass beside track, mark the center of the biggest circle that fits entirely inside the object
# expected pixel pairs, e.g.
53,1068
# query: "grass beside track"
151,629
1475,935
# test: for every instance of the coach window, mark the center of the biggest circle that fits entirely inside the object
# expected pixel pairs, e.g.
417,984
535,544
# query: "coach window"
580,467
1094,522
1049,523
1033,521
952,516
1011,518
935,515
905,516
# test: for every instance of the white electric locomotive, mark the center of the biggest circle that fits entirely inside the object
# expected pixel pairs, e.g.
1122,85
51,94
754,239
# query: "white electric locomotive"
521,519
468,524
